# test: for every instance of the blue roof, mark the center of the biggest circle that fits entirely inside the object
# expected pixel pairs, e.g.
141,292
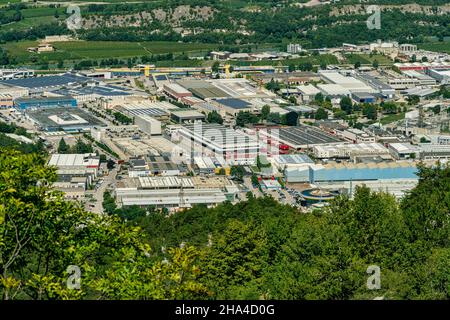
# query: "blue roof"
47,81
234,103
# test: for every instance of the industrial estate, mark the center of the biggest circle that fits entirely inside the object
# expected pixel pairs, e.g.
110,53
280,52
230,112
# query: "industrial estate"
143,139
176,137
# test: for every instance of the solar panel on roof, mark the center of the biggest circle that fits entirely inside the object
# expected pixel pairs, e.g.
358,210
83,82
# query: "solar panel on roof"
46,81
234,103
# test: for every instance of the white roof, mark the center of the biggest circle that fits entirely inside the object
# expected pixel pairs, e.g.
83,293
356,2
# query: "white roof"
403,147
165,182
64,160
333,89
308,90
176,88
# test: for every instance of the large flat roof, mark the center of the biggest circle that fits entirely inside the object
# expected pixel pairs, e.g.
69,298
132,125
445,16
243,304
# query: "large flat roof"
305,135
234,103
69,160
47,81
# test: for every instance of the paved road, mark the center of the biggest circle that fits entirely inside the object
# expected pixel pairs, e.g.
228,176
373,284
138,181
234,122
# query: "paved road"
98,194
255,191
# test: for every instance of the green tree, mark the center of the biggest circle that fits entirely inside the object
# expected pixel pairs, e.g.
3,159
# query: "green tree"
245,117
375,64
41,235
215,67
292,118
321,114
214,117
346,104
235,262
63,147
370,111
265,111
318,98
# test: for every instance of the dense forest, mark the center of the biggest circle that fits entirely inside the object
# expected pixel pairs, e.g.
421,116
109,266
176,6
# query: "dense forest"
256,249
231,22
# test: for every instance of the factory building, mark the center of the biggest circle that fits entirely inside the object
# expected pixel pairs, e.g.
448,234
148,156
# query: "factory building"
442,76
351,172
232,106
308,92
350,150
363,97
176,91
75,173
423,79
346,81
186,116
45,102
404,151
15,73
218,141
356,136
6,101
292,161
38,85
153,166
149,125
333,90
430,151
299,138
62,119
175,192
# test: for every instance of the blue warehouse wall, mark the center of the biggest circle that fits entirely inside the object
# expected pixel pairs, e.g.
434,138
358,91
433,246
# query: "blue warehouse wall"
347,174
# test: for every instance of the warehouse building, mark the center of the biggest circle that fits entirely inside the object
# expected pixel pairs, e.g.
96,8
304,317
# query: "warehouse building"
356,135
284,161
423,79
299,138
333,90
308,92
363,97
214,140
6,101
37,85
176,91
45,102
442,76
153,165
186,116
350,150
352,172
346,81
386,91
232,106
430,151
147,124
175,192
75,171
63,119
6,74
14,92
404,151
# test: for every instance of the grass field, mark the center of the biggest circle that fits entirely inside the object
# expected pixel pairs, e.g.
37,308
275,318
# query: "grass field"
392,118
314,60
368,59
79,50
436,46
